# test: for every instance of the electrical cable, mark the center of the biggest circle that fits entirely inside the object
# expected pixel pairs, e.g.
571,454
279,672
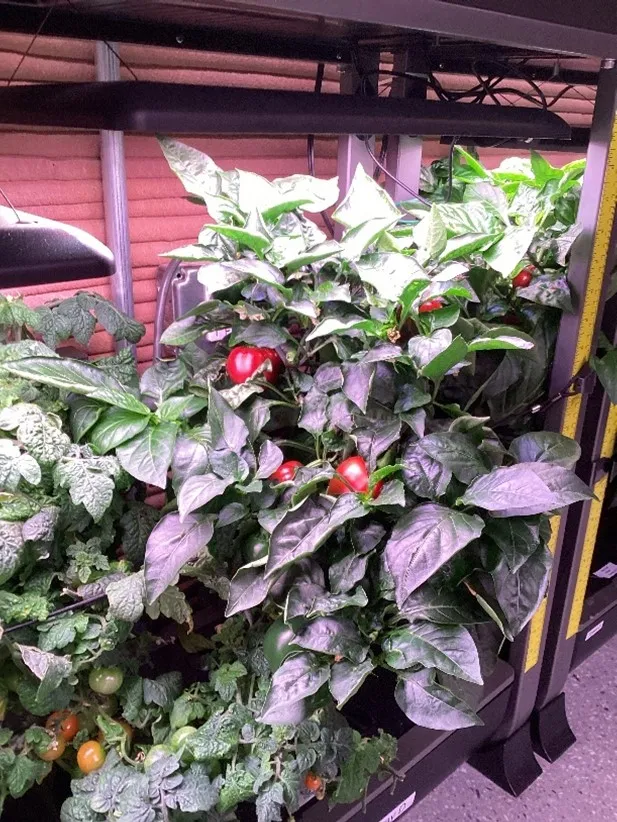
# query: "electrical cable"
10,204
30,44
310,146
375,159
451,168
107,43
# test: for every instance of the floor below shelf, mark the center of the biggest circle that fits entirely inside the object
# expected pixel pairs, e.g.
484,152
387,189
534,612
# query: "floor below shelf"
578,787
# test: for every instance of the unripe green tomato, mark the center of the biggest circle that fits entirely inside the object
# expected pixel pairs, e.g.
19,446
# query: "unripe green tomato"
106,680
177,741
155,753
278,644
256,547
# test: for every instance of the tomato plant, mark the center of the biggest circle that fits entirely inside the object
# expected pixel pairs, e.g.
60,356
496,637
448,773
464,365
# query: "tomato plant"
64,724
105,681
156,753
90,756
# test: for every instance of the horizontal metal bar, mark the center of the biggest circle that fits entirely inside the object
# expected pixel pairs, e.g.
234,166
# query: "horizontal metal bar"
578,142
523,29
189,109
82,24
457,65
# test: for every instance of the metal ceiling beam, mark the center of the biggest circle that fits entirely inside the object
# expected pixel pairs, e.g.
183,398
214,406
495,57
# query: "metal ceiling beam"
112,27
523,29
189,109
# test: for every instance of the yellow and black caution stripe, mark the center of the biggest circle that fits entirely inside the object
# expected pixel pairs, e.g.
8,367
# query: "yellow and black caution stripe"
570,420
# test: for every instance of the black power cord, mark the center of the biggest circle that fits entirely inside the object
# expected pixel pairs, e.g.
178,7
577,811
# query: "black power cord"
310,146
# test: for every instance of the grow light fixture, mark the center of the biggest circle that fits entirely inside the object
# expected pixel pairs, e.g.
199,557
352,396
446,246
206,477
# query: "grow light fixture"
188,109
35,250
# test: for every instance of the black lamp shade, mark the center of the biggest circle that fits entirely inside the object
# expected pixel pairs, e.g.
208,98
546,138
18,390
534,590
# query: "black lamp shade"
35,250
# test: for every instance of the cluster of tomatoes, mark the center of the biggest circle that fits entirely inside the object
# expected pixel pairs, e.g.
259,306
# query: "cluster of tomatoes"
63,726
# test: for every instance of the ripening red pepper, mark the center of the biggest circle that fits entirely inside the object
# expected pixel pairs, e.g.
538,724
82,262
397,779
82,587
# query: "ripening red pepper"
286,471
244,360
431,305
524,277
352,476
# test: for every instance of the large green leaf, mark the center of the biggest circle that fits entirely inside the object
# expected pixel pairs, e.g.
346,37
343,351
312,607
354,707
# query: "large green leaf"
525,489
316,194
457,452
546,446
79,377
147,456
365,200
227,429
423,540
430,705
439,365
442,606
430,235
170,546
390,273
11,549
335,636
507,253
520,592
298,677
115,427
90,481
347,678
606,369
449,648
516,537
503,338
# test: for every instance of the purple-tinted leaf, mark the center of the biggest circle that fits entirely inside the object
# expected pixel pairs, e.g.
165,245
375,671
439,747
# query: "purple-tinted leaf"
170,546
270,458
227,428
358,378
302,531
198,491
423,540
373,442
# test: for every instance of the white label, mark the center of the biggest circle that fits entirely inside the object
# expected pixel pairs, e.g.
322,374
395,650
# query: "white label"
607,571
400,809
595,630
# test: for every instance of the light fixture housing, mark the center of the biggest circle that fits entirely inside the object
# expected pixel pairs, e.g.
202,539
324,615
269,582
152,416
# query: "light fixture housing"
35,250
190,109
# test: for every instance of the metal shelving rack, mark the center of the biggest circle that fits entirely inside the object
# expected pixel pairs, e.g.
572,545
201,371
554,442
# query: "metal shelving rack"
350,33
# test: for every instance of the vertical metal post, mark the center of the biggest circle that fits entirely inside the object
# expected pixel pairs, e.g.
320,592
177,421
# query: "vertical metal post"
404,156
590,268
115,199
361,77
542,666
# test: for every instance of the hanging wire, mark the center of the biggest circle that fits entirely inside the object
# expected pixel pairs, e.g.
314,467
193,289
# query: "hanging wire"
400,183
310,146
451,168
30,44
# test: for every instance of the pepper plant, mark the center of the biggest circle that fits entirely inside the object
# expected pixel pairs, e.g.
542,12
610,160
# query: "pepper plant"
344,436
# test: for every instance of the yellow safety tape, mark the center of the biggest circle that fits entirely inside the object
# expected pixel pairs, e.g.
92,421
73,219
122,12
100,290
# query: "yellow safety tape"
591,533
536,626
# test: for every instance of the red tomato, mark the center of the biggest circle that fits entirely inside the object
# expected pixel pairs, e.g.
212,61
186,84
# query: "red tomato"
243,361
286,471
90,756
55,750
313,782
64,724
352,475
431,305
523,278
